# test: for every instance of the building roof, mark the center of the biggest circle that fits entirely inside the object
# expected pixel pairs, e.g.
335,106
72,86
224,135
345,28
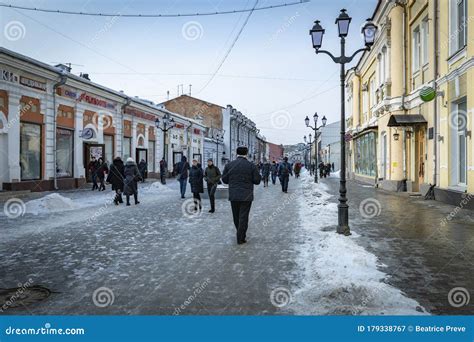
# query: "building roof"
192,97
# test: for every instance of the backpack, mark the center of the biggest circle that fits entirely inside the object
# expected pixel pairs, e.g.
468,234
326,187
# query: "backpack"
284,169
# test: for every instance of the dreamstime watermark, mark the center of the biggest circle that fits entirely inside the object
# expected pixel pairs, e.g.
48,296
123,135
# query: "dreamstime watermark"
110,21
281,297
282,29
458,296
192,30
22,109
99,212
104,120
370,208
466,199
198,288
14,208
14,30
191,208
18,295
103,297
454,34
281,119
280,208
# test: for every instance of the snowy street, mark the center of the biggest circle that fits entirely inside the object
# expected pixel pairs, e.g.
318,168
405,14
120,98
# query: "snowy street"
160,258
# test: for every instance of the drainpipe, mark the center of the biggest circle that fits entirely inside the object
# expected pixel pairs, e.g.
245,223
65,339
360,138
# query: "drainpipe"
122,115
187,140
435,112
62,80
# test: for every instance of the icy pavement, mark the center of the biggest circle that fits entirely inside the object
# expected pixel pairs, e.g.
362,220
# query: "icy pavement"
159,258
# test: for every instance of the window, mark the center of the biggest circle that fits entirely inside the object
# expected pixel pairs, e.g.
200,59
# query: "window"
458,139
30,151
64,152
424,40
372,92
365,158
127,148
109,148
416,46
151,156
365,104
458,25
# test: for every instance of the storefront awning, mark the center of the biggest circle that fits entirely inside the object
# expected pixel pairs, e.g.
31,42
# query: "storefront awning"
406,120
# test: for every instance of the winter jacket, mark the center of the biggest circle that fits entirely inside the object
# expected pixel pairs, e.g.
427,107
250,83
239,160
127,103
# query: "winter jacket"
182,168
284,169
274,168
132,176
116,175
266,169
142,167
212,175
102,169
92,167
163,166
241,175
196,178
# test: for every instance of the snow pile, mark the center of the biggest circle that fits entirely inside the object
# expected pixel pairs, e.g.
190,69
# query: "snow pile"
50,203
156,188
339,276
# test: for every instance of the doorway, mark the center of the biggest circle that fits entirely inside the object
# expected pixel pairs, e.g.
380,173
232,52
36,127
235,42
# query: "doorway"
420,155
141,153
92,150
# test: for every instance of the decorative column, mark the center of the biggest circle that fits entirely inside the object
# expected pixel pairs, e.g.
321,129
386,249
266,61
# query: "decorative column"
47,108
79,170
14,114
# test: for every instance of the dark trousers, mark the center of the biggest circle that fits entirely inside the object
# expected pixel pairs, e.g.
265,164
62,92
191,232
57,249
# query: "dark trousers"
94,181
118,196
197,200
274,178
162,178
182,186
240,213
284,182
211,191
265,180
135,197
102,183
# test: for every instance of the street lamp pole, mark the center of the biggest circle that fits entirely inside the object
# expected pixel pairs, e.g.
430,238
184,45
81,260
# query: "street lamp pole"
168,123
315,129
369,31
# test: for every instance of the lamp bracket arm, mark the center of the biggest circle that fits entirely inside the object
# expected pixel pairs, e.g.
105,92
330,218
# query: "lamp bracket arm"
349,59
335,59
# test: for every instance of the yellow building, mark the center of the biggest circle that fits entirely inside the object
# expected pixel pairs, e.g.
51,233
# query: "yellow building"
400,141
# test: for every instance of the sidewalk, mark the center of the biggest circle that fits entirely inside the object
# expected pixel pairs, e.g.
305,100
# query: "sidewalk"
427,246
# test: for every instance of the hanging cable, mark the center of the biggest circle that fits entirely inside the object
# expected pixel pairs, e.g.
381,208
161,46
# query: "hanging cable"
157,15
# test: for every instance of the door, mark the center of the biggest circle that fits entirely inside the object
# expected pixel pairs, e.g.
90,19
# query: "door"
420,154
384,156
177,157
90,150
141,153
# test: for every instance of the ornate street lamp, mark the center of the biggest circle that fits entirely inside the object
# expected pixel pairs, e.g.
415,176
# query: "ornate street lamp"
315,129
168,123
369,31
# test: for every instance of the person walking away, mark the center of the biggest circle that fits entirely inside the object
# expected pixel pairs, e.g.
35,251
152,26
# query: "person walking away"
132,177
241,175
266,172
332,166
102,169
92,167
297,170
163,170
116,177
284,172
143,168
212,175
196,180
182,169
321,169
328,169
274,171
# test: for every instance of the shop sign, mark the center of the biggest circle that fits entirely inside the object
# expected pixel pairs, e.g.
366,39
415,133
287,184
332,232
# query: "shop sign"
96,101
28,82
9,76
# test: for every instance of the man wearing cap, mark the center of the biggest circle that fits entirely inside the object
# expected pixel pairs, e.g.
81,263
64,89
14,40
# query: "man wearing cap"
241,175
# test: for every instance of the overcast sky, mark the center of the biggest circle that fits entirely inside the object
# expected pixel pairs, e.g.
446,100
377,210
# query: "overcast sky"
271,75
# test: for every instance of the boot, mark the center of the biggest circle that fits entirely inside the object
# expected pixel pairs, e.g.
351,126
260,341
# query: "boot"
135,196
128,200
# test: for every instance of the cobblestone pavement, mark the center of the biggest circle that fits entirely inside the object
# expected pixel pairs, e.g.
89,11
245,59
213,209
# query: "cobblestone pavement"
427,255
150,258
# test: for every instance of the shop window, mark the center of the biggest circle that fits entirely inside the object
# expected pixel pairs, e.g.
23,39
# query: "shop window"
30,151
365,161
64,152
127,148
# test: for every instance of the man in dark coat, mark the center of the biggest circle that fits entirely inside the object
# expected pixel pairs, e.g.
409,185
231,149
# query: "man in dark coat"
266,172
274,171
163,170
284,172
196,179
142,167
102,169
132,176
116,177
241,175
92,168
212,175
182,169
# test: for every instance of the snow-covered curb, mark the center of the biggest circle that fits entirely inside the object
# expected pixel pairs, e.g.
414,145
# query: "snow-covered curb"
340,277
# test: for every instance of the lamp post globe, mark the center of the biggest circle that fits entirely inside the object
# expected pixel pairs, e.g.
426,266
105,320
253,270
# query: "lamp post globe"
369,31
317,33
324,120
315,118
306,121
343,21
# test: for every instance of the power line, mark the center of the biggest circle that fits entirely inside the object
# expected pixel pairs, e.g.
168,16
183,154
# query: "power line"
230,48
157,15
